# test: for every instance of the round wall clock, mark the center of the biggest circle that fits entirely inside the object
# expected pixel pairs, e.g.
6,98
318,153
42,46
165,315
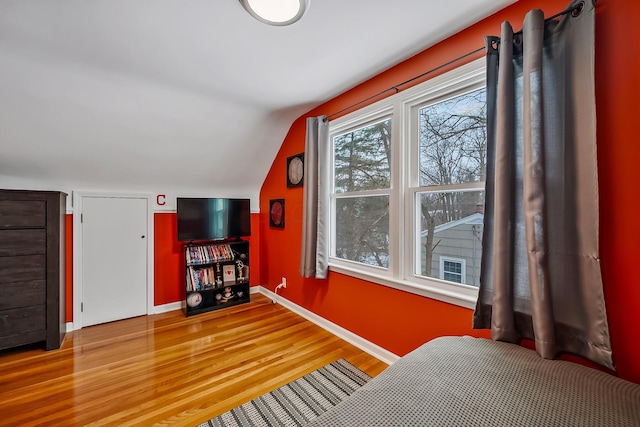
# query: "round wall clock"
295,170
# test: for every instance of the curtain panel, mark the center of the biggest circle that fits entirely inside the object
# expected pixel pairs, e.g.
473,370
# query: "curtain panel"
540,275
314,256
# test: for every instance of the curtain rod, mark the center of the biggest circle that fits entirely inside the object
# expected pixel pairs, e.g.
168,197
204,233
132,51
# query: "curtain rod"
577,9
395,88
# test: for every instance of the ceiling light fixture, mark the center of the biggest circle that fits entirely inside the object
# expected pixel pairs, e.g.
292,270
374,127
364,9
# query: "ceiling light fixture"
276,12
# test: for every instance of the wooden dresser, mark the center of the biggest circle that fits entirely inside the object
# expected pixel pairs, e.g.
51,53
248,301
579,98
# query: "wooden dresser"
32,268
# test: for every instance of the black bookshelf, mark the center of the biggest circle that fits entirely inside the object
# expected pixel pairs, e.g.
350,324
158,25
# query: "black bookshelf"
217,275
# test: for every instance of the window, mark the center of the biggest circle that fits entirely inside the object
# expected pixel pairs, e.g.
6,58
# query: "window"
362,182
451,154
407,196
452,269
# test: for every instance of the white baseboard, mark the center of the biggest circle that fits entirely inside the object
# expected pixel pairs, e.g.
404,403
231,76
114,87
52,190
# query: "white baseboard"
156,310
167,307
363,344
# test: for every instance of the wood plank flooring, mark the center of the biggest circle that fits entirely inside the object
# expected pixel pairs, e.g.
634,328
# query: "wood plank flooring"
166,369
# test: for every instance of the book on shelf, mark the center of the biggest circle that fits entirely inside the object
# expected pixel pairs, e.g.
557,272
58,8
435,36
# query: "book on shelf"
205,254
208,277
192,281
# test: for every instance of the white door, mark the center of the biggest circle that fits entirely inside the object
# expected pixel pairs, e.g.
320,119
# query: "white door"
114,259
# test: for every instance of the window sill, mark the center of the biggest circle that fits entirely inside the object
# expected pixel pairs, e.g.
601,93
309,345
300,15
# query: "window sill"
460,295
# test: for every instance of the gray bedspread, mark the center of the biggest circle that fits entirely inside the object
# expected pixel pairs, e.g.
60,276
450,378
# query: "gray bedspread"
464,381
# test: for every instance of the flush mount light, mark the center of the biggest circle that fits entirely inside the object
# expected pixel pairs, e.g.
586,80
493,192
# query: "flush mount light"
276,12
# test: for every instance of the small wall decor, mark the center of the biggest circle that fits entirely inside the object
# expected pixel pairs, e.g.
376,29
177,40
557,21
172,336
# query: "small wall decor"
295,170
276,213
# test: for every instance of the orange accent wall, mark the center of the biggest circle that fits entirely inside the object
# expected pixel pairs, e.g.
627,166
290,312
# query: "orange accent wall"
168,271
399,321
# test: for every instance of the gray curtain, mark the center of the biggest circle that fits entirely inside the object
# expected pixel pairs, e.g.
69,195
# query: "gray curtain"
540,274
314,258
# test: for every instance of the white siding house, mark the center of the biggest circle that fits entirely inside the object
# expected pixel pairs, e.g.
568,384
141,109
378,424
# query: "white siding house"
457,249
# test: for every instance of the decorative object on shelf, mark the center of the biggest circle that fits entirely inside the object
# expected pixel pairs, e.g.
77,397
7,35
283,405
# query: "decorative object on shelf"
228,294
194,299
276,213
243,270
218,275
295,170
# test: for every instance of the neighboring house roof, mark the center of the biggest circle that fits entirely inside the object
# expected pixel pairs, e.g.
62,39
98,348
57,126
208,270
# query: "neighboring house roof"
473,219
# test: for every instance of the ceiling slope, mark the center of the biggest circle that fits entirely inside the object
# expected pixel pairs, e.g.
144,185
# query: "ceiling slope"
189,96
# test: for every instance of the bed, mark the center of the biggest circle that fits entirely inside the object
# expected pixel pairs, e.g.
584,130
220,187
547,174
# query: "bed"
465,381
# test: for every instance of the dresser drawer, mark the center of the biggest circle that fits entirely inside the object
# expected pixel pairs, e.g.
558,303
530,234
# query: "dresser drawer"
23,213
22,320
22,294
23,242
10,341
22,268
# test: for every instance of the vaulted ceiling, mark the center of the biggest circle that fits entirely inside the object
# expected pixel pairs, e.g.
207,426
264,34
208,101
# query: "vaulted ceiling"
185,96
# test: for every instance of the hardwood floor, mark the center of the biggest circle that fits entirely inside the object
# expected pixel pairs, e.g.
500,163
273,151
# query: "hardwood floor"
167,369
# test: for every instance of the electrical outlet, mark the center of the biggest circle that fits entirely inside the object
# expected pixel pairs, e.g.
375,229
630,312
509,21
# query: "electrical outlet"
282,284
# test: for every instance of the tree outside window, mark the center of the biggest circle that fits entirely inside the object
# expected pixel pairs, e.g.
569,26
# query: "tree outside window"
362,178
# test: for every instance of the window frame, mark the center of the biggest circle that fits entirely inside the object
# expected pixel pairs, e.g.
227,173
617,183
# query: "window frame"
402,109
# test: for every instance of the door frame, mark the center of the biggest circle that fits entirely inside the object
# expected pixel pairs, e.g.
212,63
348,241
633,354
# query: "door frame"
78,197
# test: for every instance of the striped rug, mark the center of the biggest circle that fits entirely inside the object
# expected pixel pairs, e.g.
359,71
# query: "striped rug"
298,402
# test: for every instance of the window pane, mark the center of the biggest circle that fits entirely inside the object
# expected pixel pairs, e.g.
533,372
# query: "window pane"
453,141
451,271
452,277
453,267
362,158
450,225
362,230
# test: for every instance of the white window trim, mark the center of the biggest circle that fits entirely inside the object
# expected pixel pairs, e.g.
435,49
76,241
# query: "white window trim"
399,108
462,262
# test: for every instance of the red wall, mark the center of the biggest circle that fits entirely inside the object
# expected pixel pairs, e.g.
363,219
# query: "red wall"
168,269
400,321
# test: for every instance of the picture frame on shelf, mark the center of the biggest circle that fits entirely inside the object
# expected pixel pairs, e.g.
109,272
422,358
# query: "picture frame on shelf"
276,213
229,273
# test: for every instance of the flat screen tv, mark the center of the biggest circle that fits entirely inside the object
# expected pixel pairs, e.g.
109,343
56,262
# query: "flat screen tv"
213,219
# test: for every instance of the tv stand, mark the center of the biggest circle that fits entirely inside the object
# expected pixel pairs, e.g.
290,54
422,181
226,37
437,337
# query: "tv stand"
217,275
